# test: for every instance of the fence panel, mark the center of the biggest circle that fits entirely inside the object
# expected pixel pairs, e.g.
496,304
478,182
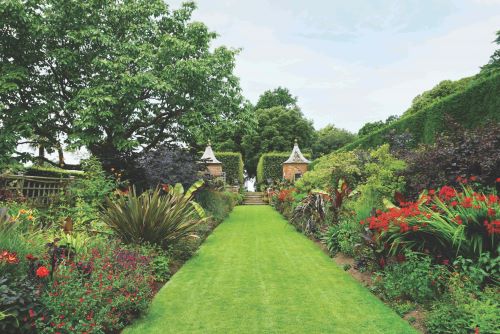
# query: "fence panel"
38,190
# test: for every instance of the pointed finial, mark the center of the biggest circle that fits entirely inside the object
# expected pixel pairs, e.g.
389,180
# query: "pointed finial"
209,142
296,141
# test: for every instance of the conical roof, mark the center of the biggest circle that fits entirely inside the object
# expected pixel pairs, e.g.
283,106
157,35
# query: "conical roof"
209,156
296,157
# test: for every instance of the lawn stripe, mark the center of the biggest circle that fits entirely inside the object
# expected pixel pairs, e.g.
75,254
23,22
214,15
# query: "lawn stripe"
256,274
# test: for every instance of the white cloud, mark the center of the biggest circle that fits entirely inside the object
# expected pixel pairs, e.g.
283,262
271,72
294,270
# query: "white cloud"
353,62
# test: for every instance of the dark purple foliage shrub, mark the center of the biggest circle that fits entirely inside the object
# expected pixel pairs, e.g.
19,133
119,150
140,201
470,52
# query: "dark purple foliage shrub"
167,166
454,157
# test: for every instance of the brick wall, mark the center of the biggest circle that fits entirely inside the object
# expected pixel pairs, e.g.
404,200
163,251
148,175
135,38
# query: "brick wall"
289,170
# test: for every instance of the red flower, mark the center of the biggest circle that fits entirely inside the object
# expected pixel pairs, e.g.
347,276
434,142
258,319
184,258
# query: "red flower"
32,313
497,180
447,192
30,257
10,258
473,178
467,202
491,212
42,272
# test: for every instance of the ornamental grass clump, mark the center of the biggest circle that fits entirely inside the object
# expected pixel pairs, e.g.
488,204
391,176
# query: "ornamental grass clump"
161,216
447,222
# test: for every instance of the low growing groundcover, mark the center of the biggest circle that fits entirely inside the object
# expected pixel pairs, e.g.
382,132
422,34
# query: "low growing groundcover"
256,274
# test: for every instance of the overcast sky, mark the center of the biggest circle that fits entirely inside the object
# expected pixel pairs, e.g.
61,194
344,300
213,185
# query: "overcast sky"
351,62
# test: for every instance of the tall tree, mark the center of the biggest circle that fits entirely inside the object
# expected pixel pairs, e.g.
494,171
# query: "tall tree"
443,89
374,126
118,77
330,138
494,63
277,129
279,97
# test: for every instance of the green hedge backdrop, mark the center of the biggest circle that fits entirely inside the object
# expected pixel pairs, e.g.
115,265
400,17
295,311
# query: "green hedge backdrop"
232,165
477,105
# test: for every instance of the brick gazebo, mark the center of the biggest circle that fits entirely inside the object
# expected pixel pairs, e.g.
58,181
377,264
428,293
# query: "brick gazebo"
214,166
296,165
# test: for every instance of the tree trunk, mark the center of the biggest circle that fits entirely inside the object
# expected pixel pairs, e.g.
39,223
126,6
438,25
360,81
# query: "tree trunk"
41,154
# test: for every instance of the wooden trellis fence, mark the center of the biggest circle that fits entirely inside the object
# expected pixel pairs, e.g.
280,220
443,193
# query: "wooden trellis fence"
38,190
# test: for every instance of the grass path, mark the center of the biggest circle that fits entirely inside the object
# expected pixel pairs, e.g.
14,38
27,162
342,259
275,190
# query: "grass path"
256,274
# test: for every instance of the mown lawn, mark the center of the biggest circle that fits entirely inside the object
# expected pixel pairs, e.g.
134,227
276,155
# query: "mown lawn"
256,274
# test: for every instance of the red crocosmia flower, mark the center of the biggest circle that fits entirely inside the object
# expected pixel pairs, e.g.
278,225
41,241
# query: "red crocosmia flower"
467,202
491,212
447,192
458,220
493,227
492,198
497,180
32,313
432,192
30,257
454,203
473,178
42,272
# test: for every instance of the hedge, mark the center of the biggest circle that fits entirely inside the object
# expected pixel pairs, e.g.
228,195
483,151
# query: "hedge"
232,165
270,166
476,105
52,172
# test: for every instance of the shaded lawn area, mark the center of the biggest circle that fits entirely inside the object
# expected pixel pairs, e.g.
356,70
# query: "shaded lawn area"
256,274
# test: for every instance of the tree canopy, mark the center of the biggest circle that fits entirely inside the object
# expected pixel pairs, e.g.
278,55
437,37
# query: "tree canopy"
278,127
118,77
494,63
329,139
279,97
374,126
438,92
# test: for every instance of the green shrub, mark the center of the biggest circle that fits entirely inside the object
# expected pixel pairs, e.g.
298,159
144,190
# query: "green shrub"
154,217
486,269
343,237
232,165
382,179
464,311
415,279
83,198
217,204
476,105
327,171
